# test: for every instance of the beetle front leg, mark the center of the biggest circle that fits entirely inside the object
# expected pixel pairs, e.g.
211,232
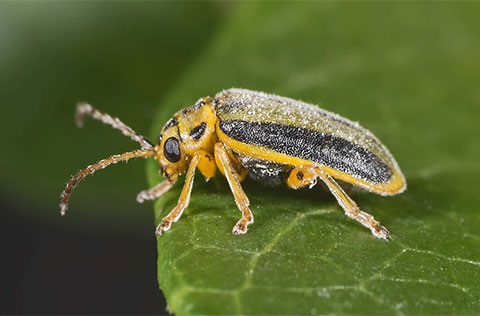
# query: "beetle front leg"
224,162
307,175
184,198
206,165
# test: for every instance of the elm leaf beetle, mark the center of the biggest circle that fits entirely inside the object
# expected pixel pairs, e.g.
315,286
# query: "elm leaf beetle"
272,139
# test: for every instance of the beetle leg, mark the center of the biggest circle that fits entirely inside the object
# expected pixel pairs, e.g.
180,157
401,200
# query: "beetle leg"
235,163
228,169
351,208
307,175
155,192
184,198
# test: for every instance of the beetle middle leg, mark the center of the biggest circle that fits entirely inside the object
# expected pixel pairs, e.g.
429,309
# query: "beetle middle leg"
226,166
307,175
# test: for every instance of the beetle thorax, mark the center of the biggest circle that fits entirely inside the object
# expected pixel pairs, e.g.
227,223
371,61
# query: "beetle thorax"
196,127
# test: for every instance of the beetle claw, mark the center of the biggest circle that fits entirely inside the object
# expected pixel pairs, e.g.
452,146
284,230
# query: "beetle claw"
240,228
163,227
381,232
141,197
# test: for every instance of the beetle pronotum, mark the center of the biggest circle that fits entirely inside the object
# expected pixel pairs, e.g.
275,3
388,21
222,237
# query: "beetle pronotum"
271,138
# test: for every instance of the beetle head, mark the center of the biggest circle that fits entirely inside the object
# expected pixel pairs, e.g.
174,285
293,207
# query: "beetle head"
189,130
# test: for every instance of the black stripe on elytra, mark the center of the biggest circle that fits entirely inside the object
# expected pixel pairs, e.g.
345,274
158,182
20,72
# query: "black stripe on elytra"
198,131
328,150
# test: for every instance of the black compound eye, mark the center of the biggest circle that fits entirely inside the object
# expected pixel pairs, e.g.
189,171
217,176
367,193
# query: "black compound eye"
171,149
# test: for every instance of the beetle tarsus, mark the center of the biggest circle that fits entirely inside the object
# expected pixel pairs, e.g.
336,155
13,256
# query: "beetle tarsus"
242,225
142,196
381,232
163,227
239,229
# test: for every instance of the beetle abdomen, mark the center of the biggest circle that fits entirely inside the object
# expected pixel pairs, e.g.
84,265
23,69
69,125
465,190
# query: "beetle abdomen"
267,172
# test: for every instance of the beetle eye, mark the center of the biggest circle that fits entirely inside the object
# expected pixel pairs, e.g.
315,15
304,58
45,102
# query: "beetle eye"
171,149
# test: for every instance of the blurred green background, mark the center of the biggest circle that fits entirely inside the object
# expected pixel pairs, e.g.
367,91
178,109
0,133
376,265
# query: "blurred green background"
407,71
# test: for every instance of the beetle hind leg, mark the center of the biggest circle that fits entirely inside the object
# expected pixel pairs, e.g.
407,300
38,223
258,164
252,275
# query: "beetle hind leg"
351,208
307,175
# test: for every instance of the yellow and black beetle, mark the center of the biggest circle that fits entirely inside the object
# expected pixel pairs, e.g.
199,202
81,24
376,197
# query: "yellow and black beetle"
271,138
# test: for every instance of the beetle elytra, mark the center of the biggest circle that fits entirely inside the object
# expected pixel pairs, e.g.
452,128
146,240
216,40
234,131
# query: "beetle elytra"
272,139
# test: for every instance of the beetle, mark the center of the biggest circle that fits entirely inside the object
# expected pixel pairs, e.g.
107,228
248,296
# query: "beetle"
272,139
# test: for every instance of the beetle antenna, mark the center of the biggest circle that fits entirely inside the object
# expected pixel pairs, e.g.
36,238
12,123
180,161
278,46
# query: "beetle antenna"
86,109
65,196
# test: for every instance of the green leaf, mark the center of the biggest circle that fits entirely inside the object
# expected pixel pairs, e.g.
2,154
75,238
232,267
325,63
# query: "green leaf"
406,71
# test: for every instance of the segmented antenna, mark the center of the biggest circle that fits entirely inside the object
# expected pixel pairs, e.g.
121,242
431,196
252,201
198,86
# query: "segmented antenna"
86,109
65,196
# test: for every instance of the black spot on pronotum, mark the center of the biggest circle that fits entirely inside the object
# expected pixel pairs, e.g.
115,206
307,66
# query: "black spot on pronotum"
198,131
171,122
171,149
194,107
300,175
